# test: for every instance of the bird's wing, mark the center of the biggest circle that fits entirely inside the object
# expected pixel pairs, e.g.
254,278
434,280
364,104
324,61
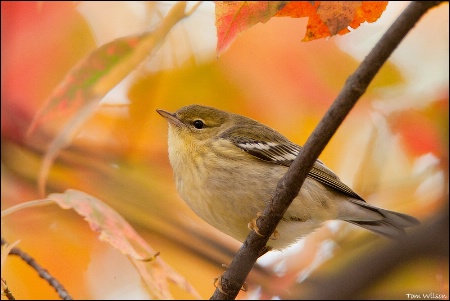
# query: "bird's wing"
279,150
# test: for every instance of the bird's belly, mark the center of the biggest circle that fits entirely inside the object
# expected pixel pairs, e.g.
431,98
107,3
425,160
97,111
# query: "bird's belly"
229,205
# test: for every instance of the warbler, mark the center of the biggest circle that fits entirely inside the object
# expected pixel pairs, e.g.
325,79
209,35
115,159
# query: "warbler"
227,166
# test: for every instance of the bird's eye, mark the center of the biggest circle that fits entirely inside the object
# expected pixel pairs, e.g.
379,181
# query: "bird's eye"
198,124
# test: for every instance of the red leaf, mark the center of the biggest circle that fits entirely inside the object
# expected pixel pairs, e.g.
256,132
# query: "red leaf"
233,17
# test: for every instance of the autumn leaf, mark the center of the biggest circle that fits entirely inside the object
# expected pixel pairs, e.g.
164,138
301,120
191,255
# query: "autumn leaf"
93,77
115,230
326,18
233,17
82,83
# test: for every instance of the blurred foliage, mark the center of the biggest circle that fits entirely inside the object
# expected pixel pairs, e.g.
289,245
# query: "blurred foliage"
396,158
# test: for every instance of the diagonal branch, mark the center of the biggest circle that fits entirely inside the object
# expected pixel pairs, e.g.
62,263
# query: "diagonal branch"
290,184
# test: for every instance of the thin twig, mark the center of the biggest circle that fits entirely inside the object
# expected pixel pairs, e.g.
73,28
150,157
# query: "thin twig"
5,290
289,186
43,273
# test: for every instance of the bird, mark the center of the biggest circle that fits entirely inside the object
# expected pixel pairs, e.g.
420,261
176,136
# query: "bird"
226,168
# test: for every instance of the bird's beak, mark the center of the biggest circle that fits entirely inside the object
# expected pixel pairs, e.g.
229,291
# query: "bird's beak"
171,118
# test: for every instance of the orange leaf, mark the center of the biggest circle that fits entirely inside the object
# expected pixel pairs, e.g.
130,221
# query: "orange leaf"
369,12
114,229
232,17
328,18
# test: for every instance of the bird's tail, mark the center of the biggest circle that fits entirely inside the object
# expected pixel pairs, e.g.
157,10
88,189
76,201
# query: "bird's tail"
392,224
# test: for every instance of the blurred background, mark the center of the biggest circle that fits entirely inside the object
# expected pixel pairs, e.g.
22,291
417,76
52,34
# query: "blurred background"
392,149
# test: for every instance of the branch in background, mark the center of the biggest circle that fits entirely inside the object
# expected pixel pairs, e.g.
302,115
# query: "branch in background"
43,273
289,186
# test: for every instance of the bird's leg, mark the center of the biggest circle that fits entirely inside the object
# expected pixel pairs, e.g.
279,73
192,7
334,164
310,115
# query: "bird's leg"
218,282
252,226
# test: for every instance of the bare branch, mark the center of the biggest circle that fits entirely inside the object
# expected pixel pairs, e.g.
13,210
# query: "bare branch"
43,273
